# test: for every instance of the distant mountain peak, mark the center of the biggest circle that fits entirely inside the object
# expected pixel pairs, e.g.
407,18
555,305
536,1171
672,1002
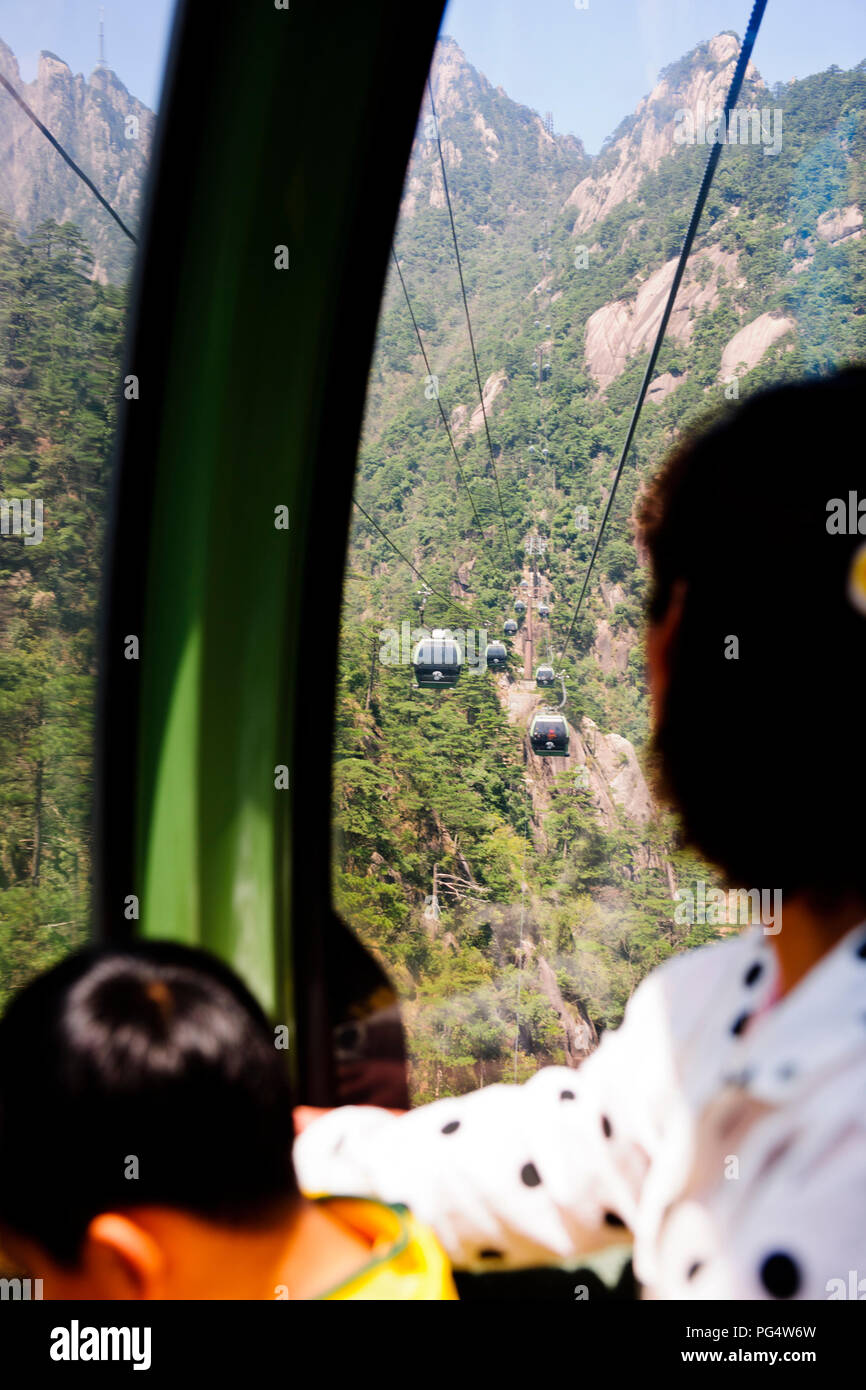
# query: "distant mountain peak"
698,80
484,126
45,54
456,83
91,119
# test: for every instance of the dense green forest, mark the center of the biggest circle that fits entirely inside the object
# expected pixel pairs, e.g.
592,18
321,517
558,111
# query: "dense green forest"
60,344
554,881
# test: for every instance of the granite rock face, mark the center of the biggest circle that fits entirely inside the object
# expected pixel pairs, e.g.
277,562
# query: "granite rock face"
108,133
697,83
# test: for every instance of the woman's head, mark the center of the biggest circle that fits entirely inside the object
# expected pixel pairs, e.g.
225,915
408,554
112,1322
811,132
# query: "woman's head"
759,726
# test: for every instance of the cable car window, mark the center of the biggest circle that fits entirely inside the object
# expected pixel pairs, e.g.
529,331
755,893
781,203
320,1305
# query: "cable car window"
515,899
66,256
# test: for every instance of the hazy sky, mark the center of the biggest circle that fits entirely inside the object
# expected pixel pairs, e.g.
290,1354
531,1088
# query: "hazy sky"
136,34
589,67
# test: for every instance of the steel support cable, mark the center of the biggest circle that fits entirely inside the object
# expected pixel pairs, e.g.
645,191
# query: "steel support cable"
31,114
438,401
464,612
468,319
712,160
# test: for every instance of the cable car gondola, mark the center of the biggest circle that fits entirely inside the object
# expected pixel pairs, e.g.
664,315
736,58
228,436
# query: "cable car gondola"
437,660
496,656
510,628
545,676
519,606
548,735
543,610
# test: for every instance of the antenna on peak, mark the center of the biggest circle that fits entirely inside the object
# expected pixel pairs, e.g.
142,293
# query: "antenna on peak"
101,63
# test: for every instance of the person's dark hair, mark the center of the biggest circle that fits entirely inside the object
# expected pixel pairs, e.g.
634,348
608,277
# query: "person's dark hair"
155,1052
765,755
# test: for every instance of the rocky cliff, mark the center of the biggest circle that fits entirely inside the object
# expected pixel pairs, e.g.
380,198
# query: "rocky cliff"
105,130
644,139
503,143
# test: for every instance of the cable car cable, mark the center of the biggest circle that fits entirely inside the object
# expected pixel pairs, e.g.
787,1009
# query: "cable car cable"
29,112
77,170
414,568
438,401
468,319
710,169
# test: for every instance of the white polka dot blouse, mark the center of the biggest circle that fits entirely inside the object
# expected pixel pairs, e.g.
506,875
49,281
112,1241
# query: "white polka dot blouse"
721,1134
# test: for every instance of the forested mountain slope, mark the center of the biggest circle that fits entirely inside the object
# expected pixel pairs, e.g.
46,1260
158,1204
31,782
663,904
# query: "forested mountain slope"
60,344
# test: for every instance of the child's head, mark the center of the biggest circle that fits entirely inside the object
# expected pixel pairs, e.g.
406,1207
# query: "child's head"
757,648
142,1079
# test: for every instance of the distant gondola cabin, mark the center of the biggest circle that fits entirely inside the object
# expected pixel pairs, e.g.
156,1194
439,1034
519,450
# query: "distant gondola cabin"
510,627
548,735
437,660
544,675
496,656
543,610
519,606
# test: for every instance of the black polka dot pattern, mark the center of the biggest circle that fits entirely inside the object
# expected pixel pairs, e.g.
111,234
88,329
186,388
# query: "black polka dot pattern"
694,1268
611,1219
451,1127
861,949
567,1095
490,1255
739,1024
780,1275
754,973
530,1176
606,1127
